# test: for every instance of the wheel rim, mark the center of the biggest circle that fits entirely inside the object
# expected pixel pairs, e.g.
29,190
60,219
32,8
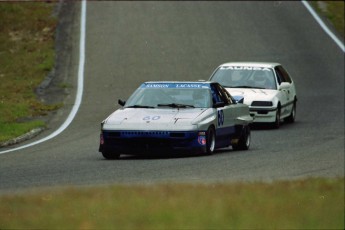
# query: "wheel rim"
211,140
278,118
248,139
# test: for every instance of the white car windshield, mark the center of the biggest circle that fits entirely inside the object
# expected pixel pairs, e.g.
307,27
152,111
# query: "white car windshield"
169,97
245,77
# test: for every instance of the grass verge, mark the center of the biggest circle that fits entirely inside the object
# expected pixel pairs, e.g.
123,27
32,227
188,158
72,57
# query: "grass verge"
333,11
26,57
303,204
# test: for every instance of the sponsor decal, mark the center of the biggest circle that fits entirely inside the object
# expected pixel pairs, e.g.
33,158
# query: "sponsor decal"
188,85
151,118
156,86
202,140
245,68
175,85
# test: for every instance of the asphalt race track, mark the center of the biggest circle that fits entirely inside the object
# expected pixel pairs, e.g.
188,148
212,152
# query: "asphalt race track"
131,42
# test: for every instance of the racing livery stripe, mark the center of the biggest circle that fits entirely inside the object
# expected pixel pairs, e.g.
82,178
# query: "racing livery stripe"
149,133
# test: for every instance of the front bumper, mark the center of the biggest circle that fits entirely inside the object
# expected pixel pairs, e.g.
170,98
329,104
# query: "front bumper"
136,142
263,114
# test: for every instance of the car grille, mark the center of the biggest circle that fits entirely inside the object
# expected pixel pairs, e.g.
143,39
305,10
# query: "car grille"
262,103
144,134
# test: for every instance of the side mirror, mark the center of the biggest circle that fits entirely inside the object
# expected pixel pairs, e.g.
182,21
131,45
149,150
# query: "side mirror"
284,85
122,103
238,99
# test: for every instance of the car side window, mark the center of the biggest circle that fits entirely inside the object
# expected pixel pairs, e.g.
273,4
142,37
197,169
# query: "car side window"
220,95
225,95
282,75
216,96
285,74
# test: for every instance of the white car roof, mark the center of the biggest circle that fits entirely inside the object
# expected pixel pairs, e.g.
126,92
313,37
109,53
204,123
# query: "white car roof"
253,64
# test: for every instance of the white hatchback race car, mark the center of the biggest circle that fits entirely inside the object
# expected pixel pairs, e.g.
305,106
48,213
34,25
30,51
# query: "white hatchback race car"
266,88
161,116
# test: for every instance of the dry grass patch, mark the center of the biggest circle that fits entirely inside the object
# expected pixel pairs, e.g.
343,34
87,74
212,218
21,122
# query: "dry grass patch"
303,204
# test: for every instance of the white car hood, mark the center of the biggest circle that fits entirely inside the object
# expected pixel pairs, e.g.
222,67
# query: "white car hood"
251,95
151,119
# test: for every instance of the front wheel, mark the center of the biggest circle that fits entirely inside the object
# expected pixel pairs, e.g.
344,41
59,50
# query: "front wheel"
110,156
210,140
291,118
244,140
276,123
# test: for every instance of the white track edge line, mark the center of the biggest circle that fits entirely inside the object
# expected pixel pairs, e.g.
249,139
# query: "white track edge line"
80,87
323,26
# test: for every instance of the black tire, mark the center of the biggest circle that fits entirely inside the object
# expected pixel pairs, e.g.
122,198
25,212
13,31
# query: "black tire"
110,156
292,117
244,140
210,140
276,123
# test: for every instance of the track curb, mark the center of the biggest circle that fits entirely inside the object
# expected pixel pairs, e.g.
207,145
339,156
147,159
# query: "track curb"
27,136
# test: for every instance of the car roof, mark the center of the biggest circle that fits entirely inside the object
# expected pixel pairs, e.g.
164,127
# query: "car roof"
252,64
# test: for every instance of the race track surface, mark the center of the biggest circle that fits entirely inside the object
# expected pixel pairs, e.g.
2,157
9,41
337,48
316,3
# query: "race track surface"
131,42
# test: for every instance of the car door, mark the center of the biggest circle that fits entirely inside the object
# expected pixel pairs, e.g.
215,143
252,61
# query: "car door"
285,90
226,115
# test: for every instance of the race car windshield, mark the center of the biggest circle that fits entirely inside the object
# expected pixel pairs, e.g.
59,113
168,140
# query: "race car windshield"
245,77
169,98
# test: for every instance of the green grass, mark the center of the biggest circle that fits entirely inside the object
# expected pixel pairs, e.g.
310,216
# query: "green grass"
26,57
334,11
302,204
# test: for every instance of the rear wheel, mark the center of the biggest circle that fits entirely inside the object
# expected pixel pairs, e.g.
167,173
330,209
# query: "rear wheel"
244,140
210,140
110,156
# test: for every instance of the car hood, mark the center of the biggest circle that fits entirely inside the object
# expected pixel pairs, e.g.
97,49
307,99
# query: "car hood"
251,95
152,119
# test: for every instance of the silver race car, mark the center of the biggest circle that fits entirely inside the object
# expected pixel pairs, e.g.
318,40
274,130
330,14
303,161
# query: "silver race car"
161,116
265,87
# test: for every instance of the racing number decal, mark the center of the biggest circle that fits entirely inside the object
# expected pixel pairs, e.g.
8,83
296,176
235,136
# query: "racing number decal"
220,117
153,118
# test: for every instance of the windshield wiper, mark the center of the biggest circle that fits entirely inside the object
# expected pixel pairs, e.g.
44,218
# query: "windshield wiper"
246,86
141,106
175,105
